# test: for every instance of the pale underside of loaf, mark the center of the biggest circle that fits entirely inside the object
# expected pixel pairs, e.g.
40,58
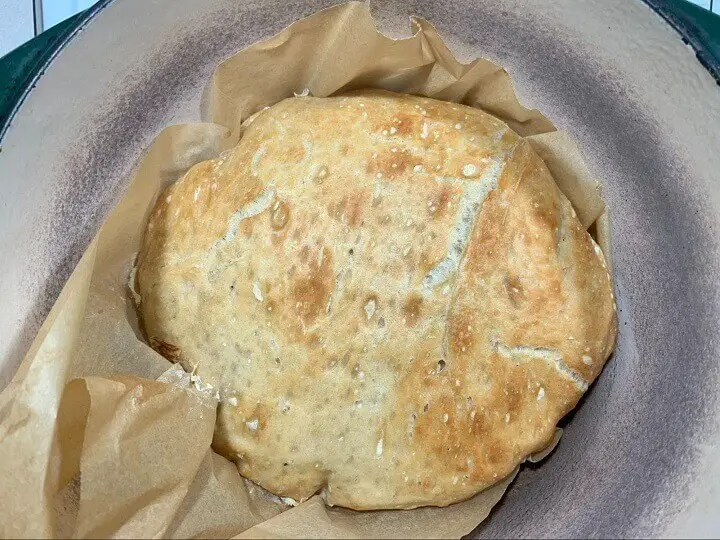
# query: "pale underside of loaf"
394,300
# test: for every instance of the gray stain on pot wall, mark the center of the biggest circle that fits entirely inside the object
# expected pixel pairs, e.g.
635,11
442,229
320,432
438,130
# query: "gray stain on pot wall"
609,471
635,431
99,162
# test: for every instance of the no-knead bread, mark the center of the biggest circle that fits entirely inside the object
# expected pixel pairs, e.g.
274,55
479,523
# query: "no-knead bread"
391,295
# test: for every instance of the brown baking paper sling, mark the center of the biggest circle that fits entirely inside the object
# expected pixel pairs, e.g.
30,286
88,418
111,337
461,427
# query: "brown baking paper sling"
101,437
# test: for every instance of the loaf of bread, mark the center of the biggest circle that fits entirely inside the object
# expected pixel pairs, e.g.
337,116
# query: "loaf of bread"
393,299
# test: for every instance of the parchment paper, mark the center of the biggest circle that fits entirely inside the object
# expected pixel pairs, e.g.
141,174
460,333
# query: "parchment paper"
101,437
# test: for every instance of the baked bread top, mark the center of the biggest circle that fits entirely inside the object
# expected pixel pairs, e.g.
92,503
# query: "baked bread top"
393,298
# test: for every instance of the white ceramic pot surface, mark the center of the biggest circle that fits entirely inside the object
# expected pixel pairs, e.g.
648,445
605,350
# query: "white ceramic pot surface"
641,455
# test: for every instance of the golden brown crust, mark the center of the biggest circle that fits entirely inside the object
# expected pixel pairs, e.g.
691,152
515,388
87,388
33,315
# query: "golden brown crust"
391,294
